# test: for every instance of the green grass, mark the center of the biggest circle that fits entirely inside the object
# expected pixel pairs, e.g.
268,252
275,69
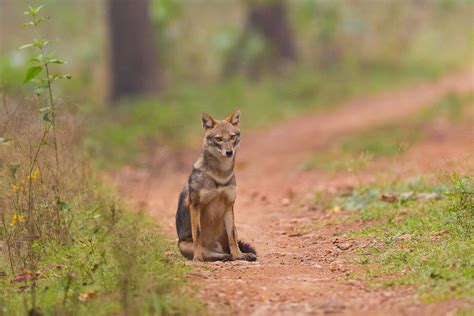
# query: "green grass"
118,257
355,151
135,127
424,239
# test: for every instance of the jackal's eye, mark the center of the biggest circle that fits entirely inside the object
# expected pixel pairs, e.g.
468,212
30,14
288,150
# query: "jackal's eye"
218,139
233,137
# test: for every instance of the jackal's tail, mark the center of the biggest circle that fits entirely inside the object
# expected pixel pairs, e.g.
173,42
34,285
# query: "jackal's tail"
246,247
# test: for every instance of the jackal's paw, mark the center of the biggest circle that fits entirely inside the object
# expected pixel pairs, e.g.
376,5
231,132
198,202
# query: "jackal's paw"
247,257
198,258
227,258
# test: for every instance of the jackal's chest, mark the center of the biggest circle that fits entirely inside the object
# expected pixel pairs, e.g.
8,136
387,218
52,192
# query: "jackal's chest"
215,203
223,194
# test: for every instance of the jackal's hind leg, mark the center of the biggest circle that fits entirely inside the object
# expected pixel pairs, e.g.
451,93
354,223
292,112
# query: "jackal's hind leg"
186,248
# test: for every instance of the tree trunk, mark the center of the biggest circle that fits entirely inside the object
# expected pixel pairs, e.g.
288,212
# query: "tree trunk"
268,19
133,53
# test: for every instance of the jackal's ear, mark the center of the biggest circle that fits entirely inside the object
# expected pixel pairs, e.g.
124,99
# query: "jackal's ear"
234,118
207,121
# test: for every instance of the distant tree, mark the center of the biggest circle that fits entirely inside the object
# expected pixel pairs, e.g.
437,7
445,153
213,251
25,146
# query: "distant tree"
133,52
269,20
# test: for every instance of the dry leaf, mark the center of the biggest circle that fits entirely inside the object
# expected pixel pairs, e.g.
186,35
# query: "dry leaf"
388,197
87,296
26,276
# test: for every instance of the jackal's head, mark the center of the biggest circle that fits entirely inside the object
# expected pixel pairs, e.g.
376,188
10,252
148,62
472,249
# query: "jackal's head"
222,138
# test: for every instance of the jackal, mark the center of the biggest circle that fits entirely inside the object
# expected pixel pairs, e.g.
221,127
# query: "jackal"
205,215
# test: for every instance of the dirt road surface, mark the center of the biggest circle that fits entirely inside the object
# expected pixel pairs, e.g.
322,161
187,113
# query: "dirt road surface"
303,273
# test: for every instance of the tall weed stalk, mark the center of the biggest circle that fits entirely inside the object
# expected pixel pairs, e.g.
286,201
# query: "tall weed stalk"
33,217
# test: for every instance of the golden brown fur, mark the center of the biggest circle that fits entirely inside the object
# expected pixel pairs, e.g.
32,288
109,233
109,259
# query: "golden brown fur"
205,216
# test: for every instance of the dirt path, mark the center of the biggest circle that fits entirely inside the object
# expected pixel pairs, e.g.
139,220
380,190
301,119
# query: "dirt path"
300,274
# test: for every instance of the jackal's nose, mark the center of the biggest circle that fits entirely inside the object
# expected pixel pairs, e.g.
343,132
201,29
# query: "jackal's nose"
229,153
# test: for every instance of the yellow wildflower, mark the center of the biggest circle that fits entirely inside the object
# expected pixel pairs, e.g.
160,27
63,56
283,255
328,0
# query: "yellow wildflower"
17,218
336,209
15,187
34,175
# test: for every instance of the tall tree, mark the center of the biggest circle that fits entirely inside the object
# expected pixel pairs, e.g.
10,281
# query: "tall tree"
133,52
268,19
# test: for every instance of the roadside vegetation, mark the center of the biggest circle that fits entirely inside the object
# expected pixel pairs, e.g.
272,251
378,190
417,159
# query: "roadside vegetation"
68,244
419,233
354,152
416,232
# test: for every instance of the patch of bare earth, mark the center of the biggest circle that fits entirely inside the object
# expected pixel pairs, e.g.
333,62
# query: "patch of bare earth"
304,273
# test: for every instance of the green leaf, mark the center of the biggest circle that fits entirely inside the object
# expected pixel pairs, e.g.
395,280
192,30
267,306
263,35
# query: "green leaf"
41,43
46,117
56,61
34,11
63,206
37,59
32,72
58,77
26,46
55,77
47,113
36,22
45,109
39,90
13,168
37,9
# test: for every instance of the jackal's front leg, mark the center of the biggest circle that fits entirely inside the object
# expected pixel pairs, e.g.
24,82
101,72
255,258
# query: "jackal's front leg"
231,231
195,213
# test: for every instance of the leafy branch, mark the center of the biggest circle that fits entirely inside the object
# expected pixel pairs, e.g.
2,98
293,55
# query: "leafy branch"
41,63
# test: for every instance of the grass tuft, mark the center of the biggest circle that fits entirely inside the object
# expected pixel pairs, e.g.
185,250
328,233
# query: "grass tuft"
117,262
421,238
